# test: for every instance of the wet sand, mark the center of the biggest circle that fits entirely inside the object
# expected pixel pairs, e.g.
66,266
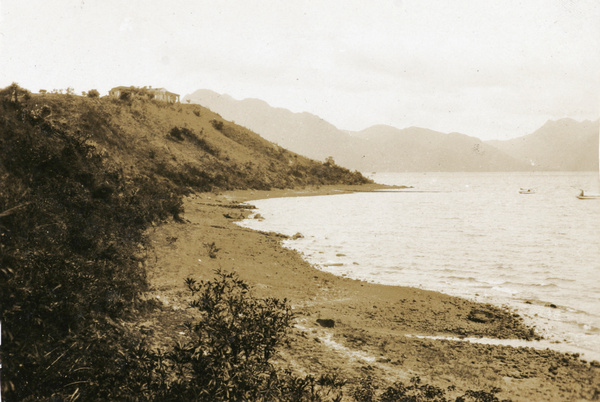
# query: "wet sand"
377,330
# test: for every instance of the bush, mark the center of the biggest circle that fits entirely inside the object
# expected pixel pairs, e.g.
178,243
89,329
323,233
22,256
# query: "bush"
481,396
228,355
217,124
182,133
13,94
93,93
415,392
418,392
365,390
176,134
212,249
125,96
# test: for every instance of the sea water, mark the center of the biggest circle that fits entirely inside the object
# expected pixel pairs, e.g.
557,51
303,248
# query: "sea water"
466,234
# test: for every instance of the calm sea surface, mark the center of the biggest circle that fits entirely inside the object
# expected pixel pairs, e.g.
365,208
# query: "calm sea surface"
465,234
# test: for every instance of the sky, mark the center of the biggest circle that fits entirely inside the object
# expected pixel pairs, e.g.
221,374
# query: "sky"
494,69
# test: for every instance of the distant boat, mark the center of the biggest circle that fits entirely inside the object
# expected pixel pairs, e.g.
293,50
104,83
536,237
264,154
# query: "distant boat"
582,195
526,191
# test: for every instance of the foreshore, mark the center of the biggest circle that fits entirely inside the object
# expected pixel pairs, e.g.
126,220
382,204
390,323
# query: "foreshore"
357,328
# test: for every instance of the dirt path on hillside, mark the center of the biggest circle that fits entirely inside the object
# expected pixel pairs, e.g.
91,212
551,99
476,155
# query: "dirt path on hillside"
370,322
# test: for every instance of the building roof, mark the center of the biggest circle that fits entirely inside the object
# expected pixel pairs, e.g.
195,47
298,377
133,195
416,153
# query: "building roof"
162,90
148,89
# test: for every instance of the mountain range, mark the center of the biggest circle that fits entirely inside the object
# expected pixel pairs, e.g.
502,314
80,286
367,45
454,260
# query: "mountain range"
562,145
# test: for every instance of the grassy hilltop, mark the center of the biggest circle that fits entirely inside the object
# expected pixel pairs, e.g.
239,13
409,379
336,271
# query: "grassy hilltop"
187,145
82,179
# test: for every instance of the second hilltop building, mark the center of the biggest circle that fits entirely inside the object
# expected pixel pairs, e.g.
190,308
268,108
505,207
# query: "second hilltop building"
160,94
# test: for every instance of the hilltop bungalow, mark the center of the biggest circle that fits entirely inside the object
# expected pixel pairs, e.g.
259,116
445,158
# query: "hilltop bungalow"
160,94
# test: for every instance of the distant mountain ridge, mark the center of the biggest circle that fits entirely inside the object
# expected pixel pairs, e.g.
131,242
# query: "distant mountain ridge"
305,133
561,145
419,149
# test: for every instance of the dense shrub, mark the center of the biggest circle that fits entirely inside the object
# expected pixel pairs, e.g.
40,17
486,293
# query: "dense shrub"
125,96
176,134
132,93
228,355
365,390
182,133
416,391
13,94
329,173
93,93
70,224
232,343
217,124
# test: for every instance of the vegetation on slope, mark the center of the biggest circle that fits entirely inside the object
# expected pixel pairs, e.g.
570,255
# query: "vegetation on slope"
186,144
82,178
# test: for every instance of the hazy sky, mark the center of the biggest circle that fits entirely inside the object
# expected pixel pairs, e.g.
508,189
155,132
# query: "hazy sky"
491,69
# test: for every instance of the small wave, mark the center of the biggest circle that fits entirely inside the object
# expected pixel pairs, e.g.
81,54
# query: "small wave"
504,289
562,279
526,285
462,278
544,285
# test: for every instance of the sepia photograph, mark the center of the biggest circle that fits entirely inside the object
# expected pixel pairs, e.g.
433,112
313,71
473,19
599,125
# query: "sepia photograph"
322,201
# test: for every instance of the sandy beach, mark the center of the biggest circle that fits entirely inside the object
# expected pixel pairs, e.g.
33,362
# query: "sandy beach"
352,327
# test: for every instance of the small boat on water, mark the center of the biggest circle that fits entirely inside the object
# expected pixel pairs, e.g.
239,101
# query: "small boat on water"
583,196
526,191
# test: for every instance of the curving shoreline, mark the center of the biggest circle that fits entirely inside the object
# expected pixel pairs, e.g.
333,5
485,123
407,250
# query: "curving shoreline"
333,247
370,322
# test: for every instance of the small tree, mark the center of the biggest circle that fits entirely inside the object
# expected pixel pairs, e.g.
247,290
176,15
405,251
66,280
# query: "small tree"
93,93
13,93
233,341
329,161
